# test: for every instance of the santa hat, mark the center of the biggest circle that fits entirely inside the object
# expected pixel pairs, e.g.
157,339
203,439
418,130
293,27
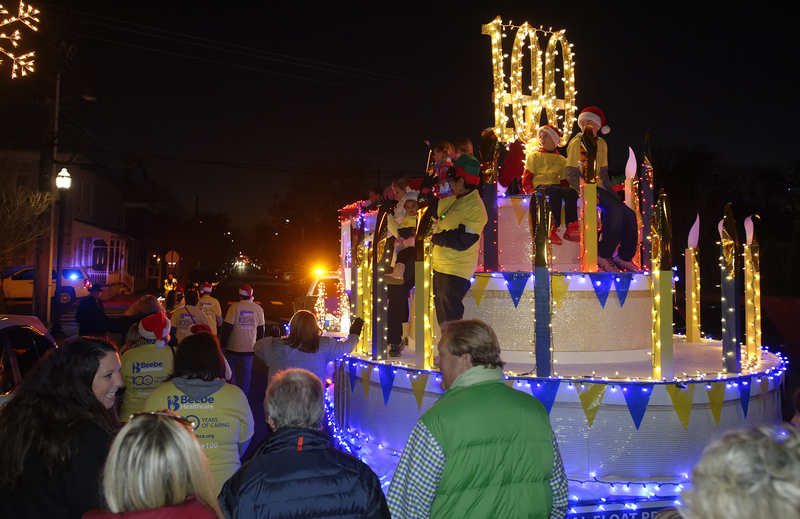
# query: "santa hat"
552,131
206,287
155,328
596,117
246,290
200,328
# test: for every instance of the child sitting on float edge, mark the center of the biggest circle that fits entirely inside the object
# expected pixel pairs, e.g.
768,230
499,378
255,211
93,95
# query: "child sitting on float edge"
544,170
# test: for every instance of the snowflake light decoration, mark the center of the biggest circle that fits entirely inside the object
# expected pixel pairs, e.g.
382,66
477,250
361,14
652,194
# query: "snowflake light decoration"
27,15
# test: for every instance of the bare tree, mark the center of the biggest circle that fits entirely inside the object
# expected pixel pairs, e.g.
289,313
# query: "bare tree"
21,203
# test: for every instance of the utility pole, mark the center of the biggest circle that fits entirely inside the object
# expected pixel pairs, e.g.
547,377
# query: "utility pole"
43,258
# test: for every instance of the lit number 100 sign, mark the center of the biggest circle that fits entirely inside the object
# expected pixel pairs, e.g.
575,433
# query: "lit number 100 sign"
527,109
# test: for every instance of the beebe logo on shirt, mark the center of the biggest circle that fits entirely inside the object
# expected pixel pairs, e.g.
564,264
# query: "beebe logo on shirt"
139,367
175,402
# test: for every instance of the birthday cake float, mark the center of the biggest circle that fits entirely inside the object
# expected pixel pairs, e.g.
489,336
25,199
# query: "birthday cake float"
631,403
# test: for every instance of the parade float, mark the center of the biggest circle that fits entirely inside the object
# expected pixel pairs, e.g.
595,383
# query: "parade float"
632,404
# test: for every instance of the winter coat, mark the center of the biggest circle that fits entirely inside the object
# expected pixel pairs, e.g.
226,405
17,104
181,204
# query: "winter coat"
296,473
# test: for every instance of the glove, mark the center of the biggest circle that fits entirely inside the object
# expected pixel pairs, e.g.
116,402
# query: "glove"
355,328
429,181
388,205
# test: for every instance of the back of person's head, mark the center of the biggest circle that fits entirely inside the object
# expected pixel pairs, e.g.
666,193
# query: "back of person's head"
146,305
198,356
304,332
401,183
172,298
668,513
156,461
745,474
51,406
376,190
132,338
474,337
295,399
191,297
445,147
463,146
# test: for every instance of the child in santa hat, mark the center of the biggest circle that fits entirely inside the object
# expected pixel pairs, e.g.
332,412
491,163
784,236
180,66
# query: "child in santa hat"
544,170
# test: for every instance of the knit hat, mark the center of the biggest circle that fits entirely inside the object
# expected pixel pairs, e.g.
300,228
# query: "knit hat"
206,287
552,131
246,290
596,117
200,328
155,328
466,167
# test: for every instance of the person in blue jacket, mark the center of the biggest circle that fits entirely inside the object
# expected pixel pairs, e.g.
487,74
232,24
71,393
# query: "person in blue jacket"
295,472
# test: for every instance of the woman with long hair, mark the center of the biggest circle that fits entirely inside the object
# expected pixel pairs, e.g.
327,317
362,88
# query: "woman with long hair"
56,432
196,387
171,302
305,347
156,469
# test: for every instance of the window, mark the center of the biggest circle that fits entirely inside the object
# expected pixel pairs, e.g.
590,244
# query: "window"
27,346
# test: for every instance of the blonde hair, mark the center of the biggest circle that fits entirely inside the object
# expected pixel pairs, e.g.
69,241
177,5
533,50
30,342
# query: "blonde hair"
747,473
156,461
131,339
146,304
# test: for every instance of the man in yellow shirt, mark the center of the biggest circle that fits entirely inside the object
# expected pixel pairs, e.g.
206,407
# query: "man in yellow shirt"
620,228
210,307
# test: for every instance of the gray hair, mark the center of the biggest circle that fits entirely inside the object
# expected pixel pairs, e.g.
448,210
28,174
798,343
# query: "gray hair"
475,337
295,398
747,473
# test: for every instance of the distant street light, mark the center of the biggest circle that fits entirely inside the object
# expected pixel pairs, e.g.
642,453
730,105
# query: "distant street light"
63,182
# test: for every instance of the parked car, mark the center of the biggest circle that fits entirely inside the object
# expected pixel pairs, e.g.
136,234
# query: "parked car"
23,341
18,283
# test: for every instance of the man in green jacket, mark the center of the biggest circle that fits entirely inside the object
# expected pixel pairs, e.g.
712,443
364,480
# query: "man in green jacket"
484,449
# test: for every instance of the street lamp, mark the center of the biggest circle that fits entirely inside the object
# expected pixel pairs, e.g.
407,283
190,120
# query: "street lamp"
63,181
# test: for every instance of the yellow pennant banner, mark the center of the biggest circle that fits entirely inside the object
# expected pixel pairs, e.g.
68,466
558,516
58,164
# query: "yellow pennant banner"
591,395
510,382
716,396
479,286
682,401
418,385
520,205
366,373
559,286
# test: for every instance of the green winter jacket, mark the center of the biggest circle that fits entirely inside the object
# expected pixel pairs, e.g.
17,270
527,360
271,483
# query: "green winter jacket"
497,444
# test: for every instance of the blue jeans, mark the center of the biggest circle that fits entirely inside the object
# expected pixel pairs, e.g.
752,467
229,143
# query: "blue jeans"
241,365
619,227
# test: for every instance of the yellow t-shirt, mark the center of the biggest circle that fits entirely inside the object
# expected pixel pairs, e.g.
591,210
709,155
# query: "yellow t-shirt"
184,318
467,210
144,368
245,317
574,152
210,307
547,168
223,419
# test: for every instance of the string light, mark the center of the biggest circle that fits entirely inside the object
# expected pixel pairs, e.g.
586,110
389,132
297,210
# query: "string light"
27,16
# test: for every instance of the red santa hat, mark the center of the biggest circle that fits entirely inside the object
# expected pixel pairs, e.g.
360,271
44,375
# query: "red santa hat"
200,328
246,290
155,328
596,117
552,131
206,287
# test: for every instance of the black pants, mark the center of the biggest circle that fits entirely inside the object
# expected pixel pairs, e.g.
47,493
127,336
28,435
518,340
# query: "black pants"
619,227
558,195
448,296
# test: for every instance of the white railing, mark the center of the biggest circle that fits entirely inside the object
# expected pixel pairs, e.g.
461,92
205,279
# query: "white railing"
101,278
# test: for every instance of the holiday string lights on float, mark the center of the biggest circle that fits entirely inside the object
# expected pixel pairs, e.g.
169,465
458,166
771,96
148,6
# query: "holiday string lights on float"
631,404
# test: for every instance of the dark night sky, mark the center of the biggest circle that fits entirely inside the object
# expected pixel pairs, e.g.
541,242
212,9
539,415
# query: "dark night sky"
194,91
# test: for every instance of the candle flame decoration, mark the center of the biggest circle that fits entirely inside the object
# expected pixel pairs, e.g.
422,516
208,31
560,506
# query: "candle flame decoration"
630,167
748,229
527,108
730,241
661,231
694,234
27,16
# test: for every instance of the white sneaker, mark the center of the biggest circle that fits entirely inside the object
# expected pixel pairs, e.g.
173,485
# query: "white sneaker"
606,265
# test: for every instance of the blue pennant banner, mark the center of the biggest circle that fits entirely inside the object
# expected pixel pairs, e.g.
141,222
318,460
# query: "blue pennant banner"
545,391
601,282
622,282
387,381
516,282
352,366
637,396
744,393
